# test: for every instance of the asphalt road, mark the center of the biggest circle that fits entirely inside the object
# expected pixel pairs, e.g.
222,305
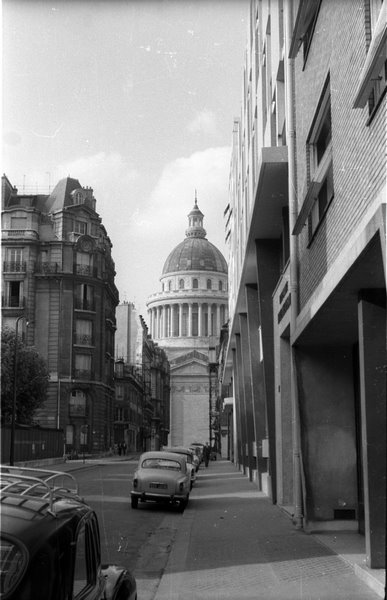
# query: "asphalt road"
126,534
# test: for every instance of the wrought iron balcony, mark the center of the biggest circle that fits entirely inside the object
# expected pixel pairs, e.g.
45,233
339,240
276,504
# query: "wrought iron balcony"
14,266
83,339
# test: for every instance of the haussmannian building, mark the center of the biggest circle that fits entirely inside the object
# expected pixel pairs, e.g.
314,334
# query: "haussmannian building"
185,318
305,355
58,273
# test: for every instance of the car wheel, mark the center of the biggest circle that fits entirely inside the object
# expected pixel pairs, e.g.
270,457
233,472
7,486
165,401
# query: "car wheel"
183,505
134,501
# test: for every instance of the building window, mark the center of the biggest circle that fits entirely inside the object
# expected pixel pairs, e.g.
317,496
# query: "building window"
372,84
321,202
84,297
220,285
320,160
162,287
209,284
319,190
84,332
18,222
77,404
169,285
13,297
195,284
14,263
181,284
83,366
84,264
80,227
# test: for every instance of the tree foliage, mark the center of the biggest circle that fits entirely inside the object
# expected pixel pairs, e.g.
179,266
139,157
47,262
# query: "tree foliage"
31,381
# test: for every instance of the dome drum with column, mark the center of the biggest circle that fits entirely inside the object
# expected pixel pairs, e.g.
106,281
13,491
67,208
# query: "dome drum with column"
193,301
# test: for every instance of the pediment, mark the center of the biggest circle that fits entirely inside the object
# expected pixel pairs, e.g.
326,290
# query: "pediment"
192,362
191,368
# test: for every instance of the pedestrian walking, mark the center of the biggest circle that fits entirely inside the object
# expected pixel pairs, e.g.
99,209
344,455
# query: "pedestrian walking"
206,454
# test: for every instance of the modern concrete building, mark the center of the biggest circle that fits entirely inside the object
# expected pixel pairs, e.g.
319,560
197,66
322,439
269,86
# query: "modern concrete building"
142,385
184,317
58,273
306,223
128,330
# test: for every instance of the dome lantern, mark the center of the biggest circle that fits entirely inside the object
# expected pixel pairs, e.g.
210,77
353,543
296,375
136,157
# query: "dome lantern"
195,222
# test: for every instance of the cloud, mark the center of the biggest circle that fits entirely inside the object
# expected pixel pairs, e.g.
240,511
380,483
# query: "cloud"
173,197
154,229
203,123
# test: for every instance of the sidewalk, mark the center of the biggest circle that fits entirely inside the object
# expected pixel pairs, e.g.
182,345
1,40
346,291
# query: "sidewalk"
232,542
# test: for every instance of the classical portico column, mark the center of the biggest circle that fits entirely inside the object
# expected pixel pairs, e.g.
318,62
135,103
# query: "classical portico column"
209,321
158,322
180,320
200,318
190,319
163,321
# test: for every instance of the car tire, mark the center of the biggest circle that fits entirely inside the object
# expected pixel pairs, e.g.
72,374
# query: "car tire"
134,502
183,505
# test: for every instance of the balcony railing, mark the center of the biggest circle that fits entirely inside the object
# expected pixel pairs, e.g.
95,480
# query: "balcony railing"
30,234
83,374
13,302
14,266
47,267
83,304
86,270
83,339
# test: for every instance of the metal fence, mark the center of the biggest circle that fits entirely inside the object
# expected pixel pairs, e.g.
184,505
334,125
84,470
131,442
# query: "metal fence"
31,443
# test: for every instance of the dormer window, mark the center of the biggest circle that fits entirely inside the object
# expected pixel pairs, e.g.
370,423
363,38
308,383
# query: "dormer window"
181,284
78,196
195,284
209,284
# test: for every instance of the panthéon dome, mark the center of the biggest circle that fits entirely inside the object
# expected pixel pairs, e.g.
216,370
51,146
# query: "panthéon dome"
195,253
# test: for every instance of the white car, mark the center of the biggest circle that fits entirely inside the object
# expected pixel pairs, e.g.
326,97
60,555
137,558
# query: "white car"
187,452
161,477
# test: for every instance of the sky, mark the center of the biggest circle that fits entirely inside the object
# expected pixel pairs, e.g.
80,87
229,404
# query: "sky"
134,98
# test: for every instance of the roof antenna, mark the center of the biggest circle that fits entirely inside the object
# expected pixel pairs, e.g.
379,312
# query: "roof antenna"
196,198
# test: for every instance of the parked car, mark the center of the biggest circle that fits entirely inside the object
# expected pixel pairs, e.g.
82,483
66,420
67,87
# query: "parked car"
50,542
197,456
189,455
161,477
198,447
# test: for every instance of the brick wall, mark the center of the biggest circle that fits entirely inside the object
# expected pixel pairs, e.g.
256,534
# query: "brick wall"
339,48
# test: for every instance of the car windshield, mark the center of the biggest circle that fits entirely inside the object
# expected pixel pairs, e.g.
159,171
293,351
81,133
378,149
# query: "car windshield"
161,463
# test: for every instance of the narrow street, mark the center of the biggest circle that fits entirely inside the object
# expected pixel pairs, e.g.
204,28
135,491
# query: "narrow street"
230,542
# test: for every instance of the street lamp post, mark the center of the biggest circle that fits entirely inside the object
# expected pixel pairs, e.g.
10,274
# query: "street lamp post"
13,416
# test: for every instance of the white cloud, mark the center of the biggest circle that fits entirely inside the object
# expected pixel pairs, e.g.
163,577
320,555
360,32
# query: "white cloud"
153,231
173,197
203,123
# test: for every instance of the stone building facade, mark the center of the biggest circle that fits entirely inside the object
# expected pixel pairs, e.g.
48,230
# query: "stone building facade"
58,272
184,316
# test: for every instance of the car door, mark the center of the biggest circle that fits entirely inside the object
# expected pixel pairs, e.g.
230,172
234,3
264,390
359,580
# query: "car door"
88,582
